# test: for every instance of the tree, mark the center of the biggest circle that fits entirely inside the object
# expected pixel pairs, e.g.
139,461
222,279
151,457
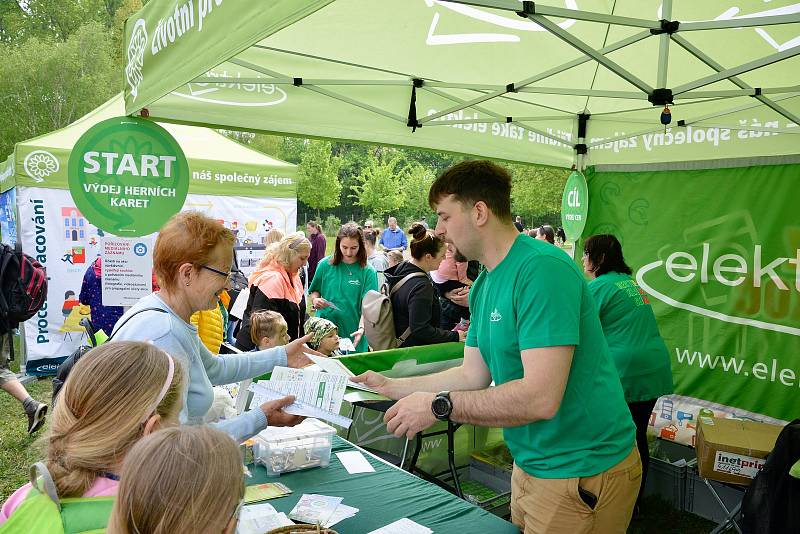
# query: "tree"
417,183
536,191
379,187
319,185
47,85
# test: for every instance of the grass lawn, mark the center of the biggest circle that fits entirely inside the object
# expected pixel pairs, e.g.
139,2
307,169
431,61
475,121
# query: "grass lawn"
18,450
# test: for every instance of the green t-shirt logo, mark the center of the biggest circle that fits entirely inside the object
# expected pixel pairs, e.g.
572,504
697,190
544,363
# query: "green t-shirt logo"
128,176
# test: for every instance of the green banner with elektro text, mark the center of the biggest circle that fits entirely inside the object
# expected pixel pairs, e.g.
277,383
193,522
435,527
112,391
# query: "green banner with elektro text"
718,252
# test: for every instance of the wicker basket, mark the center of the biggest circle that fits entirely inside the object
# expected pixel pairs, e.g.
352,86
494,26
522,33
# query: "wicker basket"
291,529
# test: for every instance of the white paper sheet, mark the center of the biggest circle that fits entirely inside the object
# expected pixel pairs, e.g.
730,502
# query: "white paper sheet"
260,518
335,367
355,462
402,526
316,391
341,513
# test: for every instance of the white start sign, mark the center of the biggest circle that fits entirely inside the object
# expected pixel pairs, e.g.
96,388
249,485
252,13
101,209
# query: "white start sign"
736,464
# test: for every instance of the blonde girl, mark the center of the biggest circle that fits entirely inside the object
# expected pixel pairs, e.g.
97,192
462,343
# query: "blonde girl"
180,480
268,329
116,394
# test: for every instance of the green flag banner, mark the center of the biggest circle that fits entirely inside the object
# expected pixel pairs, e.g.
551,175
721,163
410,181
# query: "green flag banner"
718,252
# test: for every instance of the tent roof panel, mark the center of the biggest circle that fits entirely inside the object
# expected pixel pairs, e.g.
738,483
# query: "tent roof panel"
473,53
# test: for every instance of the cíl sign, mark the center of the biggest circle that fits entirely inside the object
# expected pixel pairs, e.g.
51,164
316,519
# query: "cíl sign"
574,206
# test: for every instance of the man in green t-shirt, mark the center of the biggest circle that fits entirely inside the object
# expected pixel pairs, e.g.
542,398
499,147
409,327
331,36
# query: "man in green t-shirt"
535,332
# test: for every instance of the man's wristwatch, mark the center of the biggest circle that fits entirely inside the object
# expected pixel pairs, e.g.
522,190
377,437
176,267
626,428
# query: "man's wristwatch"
442,406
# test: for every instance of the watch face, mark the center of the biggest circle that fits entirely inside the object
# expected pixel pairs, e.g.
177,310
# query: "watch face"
440,406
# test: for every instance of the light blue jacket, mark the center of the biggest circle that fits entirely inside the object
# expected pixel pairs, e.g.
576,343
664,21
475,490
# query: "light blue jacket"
394,239
172,334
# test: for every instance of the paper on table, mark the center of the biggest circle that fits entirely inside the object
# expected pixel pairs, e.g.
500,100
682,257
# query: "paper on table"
355,462
402,526
341,513
323,390
254,510
335,367
263,492
315,509
264,523
263,391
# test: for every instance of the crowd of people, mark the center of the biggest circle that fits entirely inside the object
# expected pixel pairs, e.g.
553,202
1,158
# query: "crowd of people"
576,365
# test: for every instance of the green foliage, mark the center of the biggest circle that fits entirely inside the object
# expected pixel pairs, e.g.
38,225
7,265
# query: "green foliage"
417,183
69,80
331,225
54,19
379,187
319,185
536,192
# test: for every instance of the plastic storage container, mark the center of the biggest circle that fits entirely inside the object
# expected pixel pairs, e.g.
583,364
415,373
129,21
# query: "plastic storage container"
282,450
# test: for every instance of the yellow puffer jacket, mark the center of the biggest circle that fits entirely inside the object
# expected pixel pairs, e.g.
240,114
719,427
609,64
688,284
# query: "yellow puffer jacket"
210,327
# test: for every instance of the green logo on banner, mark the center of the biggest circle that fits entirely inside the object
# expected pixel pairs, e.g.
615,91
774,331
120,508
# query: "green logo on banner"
128,176
574,206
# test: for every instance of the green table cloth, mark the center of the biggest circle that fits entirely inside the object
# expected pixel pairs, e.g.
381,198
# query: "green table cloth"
382,497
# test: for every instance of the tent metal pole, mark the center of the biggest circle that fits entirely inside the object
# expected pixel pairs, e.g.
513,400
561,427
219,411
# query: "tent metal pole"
560,12
729,73
737,109
494,114
630,95
705,58
331,94
354,102
576,43
663,46
745,91
581,150
740,22
550,72
496,120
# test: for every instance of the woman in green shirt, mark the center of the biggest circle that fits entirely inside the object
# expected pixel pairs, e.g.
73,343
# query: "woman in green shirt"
631,332
340,283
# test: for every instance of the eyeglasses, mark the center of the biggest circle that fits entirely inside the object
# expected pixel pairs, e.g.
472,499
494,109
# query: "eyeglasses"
216,271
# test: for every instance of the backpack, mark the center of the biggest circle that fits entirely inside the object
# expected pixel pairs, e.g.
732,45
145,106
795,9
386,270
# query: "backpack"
44,512
23,289
376,308
65,368
771,501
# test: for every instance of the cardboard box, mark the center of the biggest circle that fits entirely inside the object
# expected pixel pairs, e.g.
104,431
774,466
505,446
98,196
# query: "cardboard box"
732,450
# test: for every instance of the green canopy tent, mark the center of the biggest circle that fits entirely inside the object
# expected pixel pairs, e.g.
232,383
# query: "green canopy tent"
579,82
245,190
460,76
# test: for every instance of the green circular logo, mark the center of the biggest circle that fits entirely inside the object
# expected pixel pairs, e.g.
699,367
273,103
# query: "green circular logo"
128,176
574,206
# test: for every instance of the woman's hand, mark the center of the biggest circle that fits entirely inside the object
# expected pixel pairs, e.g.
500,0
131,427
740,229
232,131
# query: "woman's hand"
357,335
276,416
458,296
462,335
319,303
295,352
